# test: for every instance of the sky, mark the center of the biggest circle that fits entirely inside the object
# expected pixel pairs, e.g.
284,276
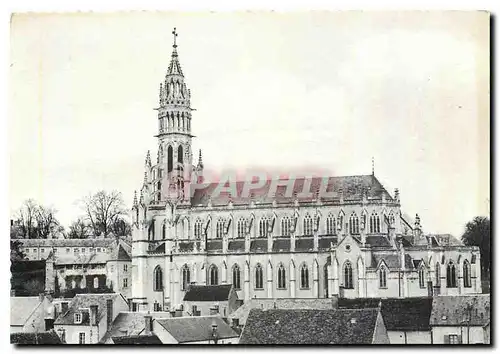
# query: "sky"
329,90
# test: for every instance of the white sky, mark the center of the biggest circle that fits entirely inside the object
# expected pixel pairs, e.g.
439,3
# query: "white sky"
305,89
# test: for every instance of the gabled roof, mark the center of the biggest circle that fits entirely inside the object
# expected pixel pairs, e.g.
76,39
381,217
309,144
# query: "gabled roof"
84,301
121,252
452,310
352,189
27,338
208,292
399,314
21,308
338,326
392,260
140,339
196,328
130,324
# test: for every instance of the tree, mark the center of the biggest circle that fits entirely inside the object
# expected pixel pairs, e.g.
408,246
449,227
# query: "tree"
46,222
33,220
477,233
78,229
16,254
102,210
121,227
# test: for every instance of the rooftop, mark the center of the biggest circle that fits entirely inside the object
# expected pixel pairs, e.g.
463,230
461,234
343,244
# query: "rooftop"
208,292
196,329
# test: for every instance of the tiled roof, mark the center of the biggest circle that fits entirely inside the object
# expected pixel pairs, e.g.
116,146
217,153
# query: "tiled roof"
345,326
68,242
352,188
196,329
27,338
21,309
304,244
208,292
236,246
130,324
452,310
283,304
392,260
258,245
378,241
141,339
399,314
324,242
214,246
281,245
84,301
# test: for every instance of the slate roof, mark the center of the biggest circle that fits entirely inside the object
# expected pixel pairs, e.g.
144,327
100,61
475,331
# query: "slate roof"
258,245
196,328
208,292
378,241
214,246
185,246
68,242
21,309
451,310
130,324
338,326
392,260
324,242
352,188
236,246
304,244
121,252
281,245
399,314
26,338
84,301
160,248
265,304
141,339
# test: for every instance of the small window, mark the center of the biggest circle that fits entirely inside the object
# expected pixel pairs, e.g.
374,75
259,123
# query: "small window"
55,250
96,282
81,338
78,318
83,250
125,282
76,250
125,267
156,307
43,250
454,339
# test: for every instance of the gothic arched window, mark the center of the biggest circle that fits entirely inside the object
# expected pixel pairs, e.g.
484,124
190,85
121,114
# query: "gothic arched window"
180,156
236,277
304,277
382,276
281,277
451,275
170,158
186,277
213,272
421,277
259,277
467,274
308,225
354,224
374,223
437,274
348,283
219,230
330,225
242,227
285,226
392,220
264,227
158,279
198,228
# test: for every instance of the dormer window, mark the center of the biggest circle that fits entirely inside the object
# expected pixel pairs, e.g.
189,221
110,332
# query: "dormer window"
78,318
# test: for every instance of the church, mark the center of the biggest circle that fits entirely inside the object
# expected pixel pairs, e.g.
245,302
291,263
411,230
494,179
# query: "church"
320,237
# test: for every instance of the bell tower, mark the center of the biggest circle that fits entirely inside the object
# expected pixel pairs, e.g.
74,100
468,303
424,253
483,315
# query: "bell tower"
174,160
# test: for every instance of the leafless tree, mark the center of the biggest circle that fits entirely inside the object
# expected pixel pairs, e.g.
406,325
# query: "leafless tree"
47,224
78,229
102,209
35,221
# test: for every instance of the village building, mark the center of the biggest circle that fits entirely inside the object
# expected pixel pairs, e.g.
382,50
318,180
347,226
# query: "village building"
205,300
28,314
318,237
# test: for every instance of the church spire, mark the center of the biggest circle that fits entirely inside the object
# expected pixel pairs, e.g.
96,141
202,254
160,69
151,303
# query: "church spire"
175,67
200,161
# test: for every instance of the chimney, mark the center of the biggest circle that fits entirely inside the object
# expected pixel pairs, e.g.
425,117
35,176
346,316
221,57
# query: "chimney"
93,315
148,324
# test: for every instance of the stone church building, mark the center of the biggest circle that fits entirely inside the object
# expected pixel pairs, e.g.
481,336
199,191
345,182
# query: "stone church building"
313,238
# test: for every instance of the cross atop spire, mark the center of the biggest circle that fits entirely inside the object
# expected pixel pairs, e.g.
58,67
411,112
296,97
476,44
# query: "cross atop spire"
174,32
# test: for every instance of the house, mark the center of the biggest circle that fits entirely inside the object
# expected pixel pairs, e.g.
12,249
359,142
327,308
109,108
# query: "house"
461,319
239,317
119,269
337,326
205,300
194,330
89,317
138,340
34,338
27,314
406,319
129,324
